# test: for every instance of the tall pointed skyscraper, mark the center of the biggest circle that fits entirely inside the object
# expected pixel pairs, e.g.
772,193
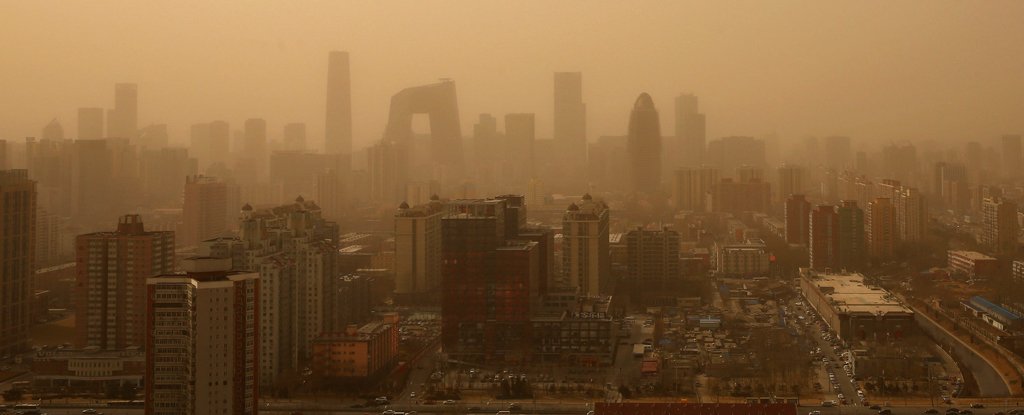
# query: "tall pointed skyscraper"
338,130
644,145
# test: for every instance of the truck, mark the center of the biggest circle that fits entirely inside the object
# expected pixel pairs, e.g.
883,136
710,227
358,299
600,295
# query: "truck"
639,349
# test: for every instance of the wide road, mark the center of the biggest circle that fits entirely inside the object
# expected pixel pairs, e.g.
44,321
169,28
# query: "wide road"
990,383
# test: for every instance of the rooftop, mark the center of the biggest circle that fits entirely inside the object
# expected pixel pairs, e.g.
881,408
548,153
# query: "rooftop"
972,255
848,294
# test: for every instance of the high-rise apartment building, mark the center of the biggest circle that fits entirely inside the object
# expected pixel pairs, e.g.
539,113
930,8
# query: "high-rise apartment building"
823,245
644,146
295,252
204,214
911,214
202,343
586,265
851,235
418,247
693,187
111,272
17,259
797,217
90,124
691,132
338,128
880,229
652,259
999,225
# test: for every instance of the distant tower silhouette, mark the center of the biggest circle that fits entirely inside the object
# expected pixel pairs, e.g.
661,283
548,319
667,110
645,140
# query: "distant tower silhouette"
338,131
691,136
570,118
644,145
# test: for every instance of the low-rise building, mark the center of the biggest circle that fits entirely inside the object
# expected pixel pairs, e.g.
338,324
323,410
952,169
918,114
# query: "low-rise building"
359,352
749,259
994,314
853,309
973,264
89,370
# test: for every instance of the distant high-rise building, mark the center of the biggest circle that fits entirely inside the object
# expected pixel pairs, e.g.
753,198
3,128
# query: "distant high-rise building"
570,117
792,180
90,124
204,211
219,142
691,132
520,135
124,119
338,130
823,245
797,216
17,260
999,225
440,102
693,187
91,179
851,235
418,247
911,214
747,174
880,229
644,146
295,136
256,138
729,153
652,259
112,267
53,131
729,195
203,341
1011,151
586,264
837,153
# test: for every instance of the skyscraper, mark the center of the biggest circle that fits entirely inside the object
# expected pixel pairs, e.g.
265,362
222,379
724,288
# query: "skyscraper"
204,211
338,129
792,180
203,343
110,296
880,229
797,216
823,245
17,259
90,123
520,134
999,225
644,146
1011,151
295,136
124,120
585,257
691,132
851,235
652,259
418,247
570,118
256,139
693,187
729,153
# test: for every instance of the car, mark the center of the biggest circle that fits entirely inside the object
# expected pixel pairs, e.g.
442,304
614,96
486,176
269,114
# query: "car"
885,412
448,402
514,407
89,411
814,413
931,411
503,413
875,407
827,404
383,400
412,394
952,411
977,405
388,412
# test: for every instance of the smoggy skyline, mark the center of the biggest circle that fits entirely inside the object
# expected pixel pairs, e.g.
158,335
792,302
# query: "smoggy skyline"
876,72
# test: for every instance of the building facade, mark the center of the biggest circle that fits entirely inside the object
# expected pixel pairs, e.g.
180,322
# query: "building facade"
17,259
586,266
418,247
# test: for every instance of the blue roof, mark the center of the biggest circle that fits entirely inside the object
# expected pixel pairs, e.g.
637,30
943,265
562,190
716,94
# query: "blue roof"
993,308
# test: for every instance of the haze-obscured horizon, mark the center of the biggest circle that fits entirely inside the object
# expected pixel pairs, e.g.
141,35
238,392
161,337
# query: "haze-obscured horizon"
873,71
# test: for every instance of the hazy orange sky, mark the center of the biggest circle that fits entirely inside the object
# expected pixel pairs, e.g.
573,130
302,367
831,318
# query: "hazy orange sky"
949,70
